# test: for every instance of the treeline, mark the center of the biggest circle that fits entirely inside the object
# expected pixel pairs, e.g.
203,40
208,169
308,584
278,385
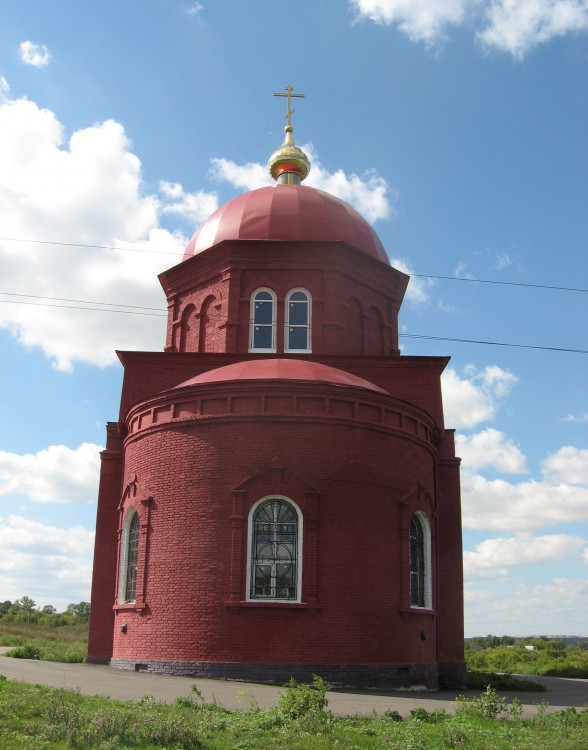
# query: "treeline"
529,656
25,610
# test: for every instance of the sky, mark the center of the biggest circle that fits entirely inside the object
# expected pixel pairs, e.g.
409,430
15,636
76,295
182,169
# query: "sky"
456,127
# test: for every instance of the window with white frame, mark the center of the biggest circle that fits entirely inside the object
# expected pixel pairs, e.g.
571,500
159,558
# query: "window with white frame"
262,335
274,551
129,553
297,321
420,561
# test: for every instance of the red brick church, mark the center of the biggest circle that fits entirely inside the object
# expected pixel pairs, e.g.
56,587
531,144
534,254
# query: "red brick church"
280,496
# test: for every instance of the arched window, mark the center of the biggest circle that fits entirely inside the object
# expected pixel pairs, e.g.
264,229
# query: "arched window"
420,561
129,553
262,336
297,321
275,543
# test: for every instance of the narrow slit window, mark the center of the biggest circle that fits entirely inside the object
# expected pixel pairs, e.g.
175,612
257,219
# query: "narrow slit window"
129,558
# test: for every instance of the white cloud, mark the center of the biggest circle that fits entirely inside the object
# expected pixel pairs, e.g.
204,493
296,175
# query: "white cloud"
421,20
493,557
369,193
568,465
86,191
475,399
4,89
36,55
248,176
56,475
418,290
502,261
51,564
511,26
576,418
518,610
517,26
195,207
194,9
526,506
490,449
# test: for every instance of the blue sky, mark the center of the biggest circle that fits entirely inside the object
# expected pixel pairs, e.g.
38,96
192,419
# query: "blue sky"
457,128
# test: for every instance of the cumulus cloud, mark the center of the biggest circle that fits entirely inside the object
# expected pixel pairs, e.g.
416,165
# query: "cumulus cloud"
421,20
517,26
474,399
518,610
490,449
36,55
492,558
418,290
89,191
44,560
195,207
528,506
568,465
511,26
56,475
368,193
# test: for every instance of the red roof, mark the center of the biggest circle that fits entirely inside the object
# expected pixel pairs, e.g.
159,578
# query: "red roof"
287,212
281,369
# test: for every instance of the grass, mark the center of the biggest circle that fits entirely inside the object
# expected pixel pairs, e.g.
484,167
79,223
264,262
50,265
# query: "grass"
66,643
33,717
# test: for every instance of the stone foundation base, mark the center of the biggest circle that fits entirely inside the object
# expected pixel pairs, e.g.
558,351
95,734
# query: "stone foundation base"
375,676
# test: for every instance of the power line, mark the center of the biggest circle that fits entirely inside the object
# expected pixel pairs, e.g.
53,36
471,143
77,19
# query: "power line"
492,343
416,275
81,301
162,313
503,283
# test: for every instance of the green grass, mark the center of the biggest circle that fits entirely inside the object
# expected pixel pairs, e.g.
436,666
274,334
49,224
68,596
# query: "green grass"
33,717
66,643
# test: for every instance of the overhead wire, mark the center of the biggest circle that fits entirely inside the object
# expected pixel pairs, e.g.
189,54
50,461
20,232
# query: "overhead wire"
416,275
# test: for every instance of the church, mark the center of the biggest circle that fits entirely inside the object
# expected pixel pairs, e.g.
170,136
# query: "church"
280,496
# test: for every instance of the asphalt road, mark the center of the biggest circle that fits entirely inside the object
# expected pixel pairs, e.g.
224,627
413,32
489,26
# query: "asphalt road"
92,679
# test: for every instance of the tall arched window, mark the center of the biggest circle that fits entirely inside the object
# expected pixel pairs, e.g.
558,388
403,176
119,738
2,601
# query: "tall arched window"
297,321
420,561
262,336
129,553
274,551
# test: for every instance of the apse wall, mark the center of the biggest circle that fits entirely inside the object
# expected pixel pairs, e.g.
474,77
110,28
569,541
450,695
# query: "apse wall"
357,463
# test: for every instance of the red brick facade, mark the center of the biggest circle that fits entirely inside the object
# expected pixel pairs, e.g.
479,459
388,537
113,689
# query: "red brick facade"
357,461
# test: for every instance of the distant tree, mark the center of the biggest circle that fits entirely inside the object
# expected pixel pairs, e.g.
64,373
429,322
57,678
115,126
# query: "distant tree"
81,610
49,609
5,607
25,606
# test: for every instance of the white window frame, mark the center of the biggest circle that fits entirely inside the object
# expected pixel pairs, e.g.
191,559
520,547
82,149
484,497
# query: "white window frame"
308,325
124,557
263,600
428,579
252,323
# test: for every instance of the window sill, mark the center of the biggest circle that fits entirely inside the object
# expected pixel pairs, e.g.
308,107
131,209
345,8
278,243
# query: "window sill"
404,611
237,606
130,607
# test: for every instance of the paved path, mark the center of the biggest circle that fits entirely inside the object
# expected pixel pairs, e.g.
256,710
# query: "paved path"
92,679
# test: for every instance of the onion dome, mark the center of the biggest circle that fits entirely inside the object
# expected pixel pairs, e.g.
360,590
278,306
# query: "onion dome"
288,165
281,370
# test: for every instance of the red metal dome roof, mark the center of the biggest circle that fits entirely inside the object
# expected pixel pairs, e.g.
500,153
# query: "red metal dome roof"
287,212
281,369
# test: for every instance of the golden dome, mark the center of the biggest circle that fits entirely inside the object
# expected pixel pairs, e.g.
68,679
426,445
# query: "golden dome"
289,164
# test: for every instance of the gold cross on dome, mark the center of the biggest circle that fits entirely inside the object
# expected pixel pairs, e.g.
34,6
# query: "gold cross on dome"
289,93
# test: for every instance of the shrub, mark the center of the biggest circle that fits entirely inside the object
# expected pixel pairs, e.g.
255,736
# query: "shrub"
303,700
28,651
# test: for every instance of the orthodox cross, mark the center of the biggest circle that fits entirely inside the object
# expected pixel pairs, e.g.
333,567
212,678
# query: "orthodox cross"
289,93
